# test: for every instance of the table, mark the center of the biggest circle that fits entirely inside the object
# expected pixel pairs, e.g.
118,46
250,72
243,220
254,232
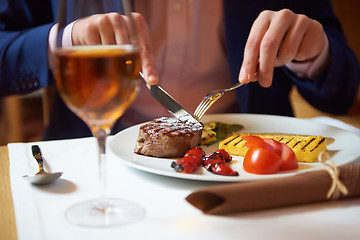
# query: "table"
7,215
330,220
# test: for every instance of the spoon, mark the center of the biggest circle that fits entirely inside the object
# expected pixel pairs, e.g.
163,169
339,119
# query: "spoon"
41,177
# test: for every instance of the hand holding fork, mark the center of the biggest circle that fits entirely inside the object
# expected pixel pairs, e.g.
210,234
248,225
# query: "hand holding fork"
210,99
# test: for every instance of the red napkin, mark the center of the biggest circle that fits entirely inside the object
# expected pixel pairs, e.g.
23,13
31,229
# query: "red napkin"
304,188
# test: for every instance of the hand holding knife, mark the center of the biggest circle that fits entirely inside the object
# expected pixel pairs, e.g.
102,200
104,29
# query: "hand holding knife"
169,102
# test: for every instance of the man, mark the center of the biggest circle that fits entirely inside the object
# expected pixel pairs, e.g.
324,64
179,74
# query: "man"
224,42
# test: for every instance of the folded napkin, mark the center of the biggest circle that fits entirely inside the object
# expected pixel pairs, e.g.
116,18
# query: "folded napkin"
308,187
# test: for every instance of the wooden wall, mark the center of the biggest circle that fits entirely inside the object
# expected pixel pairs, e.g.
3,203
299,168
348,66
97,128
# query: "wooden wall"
348,12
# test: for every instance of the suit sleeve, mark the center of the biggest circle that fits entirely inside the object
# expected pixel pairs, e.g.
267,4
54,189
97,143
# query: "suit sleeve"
23,48
334,90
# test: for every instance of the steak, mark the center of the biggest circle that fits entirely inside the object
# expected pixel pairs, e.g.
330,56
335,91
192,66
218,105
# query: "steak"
168,137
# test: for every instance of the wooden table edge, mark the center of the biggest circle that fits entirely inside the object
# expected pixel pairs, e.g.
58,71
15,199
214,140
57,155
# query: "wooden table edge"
7,213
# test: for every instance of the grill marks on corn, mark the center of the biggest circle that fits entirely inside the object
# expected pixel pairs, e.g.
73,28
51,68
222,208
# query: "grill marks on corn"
306,148
314,142
239,142
318,144
232,138
293,142
296,144
289,141
311,140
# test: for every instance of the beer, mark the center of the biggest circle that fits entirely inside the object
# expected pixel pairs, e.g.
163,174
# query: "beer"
98,83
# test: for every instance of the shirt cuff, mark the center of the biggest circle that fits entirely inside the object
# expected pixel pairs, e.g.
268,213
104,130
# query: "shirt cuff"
311,69
66,40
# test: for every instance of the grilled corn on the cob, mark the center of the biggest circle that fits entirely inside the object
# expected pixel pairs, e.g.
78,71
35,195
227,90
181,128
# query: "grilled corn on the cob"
306,148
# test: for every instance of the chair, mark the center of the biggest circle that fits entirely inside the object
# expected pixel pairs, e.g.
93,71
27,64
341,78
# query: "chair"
23,118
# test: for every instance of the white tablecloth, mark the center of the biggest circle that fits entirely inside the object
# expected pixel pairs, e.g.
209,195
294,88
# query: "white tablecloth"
40,210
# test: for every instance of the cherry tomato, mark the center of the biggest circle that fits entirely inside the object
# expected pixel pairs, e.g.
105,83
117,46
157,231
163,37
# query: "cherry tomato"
266,156
289,159
261,161
277,147
255,141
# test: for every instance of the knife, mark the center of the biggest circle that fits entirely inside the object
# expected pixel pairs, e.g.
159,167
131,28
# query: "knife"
169,102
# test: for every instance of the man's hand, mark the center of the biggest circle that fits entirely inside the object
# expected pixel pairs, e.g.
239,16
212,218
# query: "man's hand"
107,29
277,38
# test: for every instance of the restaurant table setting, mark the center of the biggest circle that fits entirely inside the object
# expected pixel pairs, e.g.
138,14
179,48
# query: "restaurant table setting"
292,207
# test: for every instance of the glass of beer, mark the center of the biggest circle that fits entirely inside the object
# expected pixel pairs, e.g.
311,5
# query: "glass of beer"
97,76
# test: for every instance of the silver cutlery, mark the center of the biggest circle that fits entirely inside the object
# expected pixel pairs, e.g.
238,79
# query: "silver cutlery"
41,177
169,102
210,99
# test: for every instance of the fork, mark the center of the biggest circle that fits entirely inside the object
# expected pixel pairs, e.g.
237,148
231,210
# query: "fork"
210,99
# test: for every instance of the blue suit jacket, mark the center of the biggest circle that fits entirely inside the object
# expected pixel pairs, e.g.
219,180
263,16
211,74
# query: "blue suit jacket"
24,26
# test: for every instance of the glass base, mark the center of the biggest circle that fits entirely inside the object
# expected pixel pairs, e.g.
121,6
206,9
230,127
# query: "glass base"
104,213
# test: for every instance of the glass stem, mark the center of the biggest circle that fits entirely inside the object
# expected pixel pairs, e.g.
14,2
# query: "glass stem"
101,135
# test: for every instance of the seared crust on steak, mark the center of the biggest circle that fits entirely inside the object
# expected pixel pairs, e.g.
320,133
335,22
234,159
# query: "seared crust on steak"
168,137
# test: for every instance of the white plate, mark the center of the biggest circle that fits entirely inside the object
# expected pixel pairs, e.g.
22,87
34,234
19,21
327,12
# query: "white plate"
345,149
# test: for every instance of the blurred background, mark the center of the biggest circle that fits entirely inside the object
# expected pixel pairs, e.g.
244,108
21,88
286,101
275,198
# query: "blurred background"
23,118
